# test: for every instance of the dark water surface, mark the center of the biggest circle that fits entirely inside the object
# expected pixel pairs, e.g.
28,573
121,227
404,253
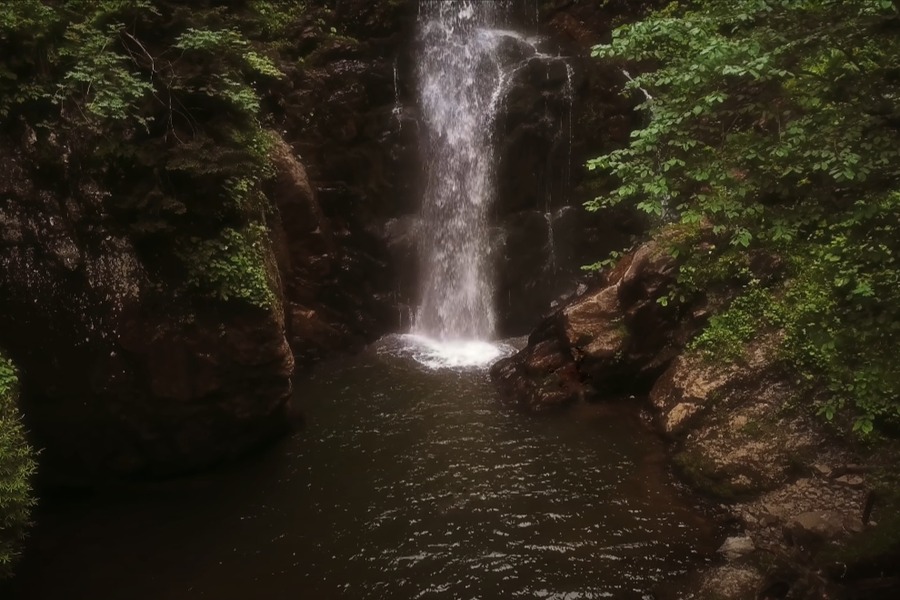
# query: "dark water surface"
405,483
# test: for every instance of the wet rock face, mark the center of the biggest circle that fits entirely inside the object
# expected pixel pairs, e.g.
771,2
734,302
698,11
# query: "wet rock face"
345,110
557,113
349,112
613,337
311,261
798,494
544,375
730,440
120,374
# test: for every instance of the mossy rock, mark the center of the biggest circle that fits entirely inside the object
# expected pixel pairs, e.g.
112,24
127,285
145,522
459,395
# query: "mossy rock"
702,474
16,468
875,552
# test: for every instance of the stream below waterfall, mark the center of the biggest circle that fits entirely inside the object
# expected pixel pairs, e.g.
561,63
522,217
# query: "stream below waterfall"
407,481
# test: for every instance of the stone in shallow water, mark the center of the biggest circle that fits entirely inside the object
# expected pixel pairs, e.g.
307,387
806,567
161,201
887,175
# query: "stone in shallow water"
731,582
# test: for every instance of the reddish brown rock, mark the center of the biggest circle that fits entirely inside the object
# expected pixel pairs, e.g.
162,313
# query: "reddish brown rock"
309,259
614,336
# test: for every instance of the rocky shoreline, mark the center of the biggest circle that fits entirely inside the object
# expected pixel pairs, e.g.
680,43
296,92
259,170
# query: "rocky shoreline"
802,505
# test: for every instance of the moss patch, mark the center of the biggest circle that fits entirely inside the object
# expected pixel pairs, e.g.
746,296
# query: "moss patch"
706,477
874,552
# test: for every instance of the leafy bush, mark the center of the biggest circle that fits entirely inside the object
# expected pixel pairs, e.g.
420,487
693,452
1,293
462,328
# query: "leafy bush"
774,129
728,332
16,468
231,266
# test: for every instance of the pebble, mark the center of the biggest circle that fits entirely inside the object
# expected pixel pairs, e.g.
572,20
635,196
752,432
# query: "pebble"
854,481
768,520
736,547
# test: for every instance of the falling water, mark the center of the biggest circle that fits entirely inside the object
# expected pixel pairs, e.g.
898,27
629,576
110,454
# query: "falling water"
397,111
459,76
551,242
468,60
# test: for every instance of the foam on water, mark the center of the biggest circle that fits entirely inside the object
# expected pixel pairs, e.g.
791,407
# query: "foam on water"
447,354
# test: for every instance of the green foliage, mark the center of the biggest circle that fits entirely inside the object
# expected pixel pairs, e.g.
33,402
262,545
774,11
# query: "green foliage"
773,130
102,85
606,263
25,16
231,266
274,16
16,468
243,189
227,43
24,26
842,314
160,104
729,331
100,64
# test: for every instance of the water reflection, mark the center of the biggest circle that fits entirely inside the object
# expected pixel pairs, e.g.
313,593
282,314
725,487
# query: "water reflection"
406,483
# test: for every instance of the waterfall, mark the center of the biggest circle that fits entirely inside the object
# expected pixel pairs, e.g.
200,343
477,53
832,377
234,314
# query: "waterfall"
459,77
468,60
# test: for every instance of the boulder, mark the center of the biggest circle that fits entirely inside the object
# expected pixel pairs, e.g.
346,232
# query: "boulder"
613,336
730,440
736,547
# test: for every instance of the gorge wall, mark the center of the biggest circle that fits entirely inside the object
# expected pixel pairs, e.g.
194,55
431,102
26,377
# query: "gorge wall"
349,112
156,326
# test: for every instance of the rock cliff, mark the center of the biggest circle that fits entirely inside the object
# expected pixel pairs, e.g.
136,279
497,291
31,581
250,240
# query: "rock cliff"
156,316
122,371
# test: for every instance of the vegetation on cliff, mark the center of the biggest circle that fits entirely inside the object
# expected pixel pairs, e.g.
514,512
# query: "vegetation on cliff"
158,105
16,468
770,157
